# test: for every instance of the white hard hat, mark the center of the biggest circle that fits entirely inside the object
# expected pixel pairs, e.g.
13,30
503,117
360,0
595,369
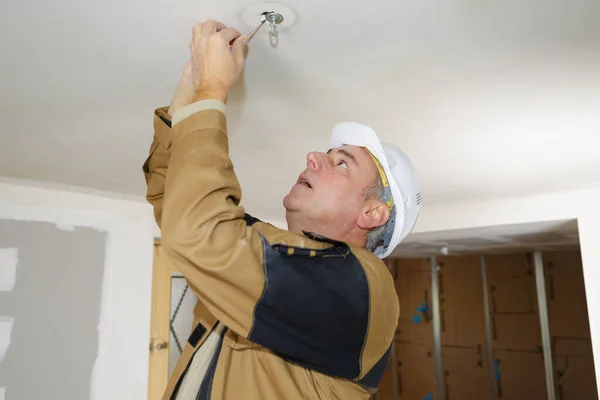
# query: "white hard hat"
404,188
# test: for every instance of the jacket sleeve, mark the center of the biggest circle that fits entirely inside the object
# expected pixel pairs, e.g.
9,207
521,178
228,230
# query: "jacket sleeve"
157,162
203,228
312,301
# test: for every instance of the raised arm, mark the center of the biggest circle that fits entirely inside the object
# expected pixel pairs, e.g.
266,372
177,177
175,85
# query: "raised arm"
157,163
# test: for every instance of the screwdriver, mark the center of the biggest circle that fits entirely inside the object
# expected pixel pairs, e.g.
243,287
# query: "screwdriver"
252,31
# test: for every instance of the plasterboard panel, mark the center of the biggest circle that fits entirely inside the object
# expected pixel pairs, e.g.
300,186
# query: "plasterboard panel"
56,309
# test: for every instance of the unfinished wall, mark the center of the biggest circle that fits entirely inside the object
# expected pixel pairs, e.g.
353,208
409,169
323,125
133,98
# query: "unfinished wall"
414,339
569,326
517,363
581,205
515,327
55,304
120,369
464,360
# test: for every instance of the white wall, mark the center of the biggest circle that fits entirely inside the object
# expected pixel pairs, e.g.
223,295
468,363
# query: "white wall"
121,369
584,206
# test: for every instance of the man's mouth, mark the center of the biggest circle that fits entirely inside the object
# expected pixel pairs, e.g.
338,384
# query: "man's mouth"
303,181
305,184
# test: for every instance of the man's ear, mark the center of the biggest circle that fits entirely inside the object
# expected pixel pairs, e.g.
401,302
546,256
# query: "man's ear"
373,215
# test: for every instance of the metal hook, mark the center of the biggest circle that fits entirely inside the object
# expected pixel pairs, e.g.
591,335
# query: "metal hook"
274,19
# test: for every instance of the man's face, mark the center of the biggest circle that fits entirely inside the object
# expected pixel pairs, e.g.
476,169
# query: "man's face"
330,190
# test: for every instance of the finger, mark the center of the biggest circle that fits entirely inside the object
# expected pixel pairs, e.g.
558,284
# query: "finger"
229,34
219,26
209,27
196,32
193,46
237,49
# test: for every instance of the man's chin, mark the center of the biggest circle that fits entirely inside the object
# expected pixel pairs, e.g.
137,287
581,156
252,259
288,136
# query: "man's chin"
291,203
287,202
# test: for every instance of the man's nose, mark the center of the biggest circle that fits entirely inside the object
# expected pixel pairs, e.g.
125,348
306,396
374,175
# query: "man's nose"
315,160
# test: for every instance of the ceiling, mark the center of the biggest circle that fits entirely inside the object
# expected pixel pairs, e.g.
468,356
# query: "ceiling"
488,98
544,236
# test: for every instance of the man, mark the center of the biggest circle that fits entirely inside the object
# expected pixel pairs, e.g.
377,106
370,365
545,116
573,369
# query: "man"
307,313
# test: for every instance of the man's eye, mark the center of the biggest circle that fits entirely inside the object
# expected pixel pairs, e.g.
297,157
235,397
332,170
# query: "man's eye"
343,164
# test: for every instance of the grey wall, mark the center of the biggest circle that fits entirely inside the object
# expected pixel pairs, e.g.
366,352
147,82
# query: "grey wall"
56,306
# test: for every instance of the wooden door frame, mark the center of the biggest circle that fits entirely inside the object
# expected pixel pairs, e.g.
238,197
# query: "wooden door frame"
158,370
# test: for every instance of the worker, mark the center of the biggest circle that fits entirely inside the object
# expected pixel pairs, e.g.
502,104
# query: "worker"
304,313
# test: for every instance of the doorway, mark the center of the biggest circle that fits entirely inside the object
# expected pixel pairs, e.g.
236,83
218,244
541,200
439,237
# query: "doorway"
510,325
172,319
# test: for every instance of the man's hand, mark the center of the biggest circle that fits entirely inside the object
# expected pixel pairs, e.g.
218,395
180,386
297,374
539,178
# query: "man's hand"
216,65
184,95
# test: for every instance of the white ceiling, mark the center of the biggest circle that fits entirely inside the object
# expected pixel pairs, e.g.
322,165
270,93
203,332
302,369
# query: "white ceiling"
488,98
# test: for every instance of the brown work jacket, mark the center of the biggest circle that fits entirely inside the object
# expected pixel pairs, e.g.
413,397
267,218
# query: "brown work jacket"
306,317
